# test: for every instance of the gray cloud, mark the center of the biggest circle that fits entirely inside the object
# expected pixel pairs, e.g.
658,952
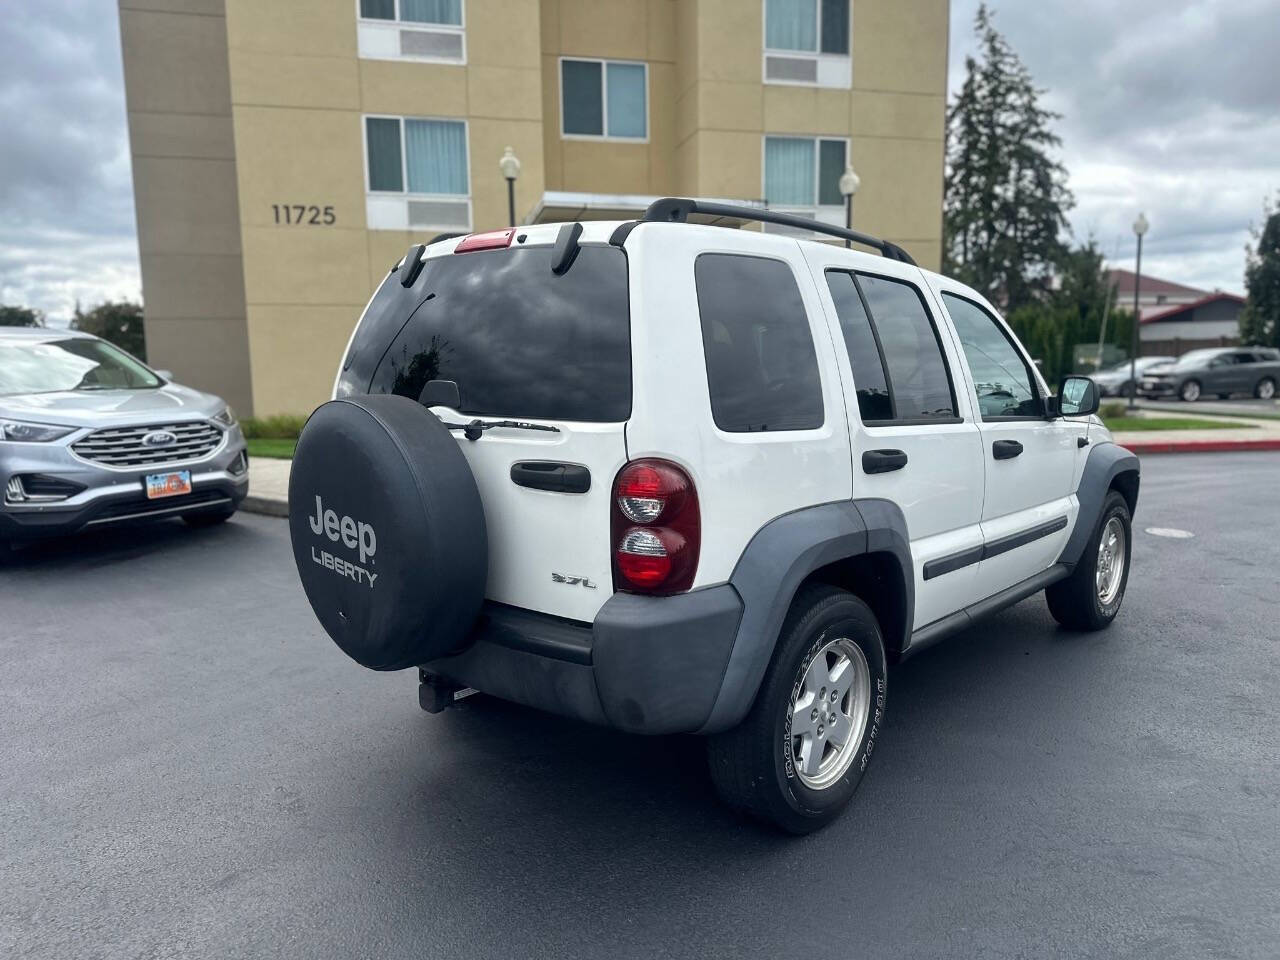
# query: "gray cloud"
66,195
1170,108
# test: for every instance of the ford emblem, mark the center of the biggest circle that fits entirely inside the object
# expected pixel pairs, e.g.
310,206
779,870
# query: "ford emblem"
159,438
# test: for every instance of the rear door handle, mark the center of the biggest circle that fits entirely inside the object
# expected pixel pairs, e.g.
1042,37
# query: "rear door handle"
1005,449
551,475
883,461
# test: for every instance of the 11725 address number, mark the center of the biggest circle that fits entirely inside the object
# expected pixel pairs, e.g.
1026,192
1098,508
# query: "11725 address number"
296,214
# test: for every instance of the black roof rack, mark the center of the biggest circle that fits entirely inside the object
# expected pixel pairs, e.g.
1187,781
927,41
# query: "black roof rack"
679,209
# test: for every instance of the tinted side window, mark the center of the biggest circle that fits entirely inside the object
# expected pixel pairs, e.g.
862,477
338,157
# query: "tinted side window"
874,400
761,367
1004,384
917,370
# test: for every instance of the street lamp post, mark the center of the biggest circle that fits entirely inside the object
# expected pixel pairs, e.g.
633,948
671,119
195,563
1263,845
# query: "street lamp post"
1140,227
849,183
510,167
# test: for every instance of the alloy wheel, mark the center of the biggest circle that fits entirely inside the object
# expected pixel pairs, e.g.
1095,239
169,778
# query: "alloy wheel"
829,713
1111,554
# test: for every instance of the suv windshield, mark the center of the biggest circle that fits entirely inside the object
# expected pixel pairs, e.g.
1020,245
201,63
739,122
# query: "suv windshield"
50,366
518,339
1196,358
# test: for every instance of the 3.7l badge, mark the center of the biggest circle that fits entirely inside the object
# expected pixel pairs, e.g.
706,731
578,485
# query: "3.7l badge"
564,578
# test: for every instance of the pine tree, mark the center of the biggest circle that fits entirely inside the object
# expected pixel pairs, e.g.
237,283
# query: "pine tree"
1260,321
1006,197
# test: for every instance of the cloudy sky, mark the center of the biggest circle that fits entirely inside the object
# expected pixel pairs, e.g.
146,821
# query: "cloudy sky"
1169,106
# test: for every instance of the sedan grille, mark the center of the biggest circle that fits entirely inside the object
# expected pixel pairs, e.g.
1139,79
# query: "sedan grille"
128,446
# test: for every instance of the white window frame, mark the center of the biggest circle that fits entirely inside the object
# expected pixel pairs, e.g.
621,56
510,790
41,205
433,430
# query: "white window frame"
604,100
817,169
838,66
405,192
374,23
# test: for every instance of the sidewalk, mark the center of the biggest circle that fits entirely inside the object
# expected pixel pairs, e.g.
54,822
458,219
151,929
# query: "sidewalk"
268,487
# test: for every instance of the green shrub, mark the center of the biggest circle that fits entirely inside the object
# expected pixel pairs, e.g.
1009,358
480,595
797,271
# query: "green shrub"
1112,411
280,426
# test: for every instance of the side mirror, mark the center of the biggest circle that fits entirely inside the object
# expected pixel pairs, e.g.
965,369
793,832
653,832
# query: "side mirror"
164,374
1077,397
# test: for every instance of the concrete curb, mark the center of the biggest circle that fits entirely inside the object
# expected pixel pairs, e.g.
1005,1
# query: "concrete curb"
1201,446
268,506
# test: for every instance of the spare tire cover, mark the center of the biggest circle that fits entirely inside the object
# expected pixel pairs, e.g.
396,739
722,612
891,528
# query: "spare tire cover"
388,531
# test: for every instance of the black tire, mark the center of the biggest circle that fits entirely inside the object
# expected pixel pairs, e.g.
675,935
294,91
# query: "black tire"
1075,602
1187,388
1265,389
208,518
751,765
1128,390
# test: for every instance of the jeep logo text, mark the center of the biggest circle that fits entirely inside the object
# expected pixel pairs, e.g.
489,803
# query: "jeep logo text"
352,534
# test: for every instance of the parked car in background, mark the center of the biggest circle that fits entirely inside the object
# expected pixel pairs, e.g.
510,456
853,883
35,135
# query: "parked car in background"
1222,371
1117,381
90,436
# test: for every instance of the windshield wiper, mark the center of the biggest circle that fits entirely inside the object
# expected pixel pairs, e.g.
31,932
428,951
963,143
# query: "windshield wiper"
476,428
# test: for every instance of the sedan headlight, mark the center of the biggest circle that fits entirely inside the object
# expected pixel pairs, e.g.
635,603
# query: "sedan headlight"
227,417
21,432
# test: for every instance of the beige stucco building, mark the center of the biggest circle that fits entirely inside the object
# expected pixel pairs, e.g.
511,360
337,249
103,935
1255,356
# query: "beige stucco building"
286,152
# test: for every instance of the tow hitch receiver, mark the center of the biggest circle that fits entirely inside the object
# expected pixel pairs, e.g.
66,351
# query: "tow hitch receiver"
435,694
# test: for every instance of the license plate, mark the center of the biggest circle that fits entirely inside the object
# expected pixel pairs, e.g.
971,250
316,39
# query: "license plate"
168,484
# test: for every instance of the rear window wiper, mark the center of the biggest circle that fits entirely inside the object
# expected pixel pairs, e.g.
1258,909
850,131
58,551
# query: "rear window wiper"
476,428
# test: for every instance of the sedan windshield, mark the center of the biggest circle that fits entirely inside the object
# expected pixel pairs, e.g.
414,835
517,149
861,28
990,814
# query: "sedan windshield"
49,366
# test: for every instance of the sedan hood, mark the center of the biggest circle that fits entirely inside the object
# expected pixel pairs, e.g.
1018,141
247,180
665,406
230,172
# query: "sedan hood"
97,408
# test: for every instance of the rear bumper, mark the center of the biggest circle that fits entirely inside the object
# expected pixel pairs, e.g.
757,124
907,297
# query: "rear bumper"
646,665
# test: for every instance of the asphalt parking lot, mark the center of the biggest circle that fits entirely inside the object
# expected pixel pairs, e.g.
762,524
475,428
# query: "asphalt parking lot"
191,768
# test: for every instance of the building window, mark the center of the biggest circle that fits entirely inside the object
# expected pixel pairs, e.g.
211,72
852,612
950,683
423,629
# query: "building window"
430,30
417,174
414,11
605,99
804,172
807,42
814,26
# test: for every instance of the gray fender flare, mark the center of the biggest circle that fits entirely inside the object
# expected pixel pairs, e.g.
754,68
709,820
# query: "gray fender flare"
773,565
1106,461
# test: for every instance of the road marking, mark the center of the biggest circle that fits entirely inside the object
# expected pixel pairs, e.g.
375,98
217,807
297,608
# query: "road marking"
1172,532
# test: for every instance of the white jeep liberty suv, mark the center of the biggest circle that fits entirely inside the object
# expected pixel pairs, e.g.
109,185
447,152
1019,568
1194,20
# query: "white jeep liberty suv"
678,478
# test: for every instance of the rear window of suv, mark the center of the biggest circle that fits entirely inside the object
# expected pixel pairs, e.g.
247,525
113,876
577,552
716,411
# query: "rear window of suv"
516,338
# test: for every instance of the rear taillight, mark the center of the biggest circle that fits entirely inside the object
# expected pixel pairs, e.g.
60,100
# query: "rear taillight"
656,528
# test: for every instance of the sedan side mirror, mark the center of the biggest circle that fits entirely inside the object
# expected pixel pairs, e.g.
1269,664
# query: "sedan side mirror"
164,374
1077,397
